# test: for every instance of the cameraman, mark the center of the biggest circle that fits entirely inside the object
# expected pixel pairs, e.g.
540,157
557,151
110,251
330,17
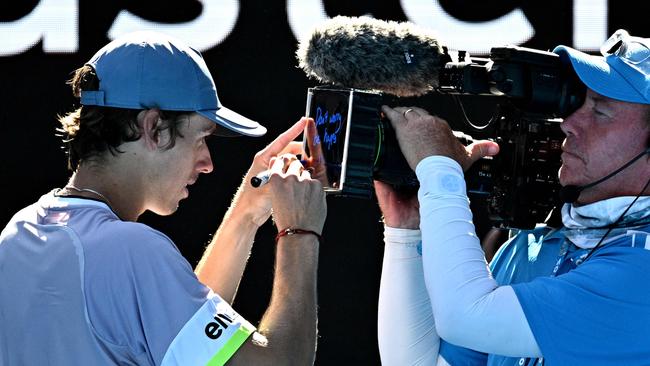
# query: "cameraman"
577,295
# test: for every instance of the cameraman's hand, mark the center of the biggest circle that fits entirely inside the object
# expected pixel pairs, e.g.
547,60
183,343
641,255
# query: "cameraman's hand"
399,209
298,200
420,135
257,201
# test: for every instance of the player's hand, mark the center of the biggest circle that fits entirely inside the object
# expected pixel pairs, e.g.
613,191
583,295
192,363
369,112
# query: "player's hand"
316,161
257,201
298,200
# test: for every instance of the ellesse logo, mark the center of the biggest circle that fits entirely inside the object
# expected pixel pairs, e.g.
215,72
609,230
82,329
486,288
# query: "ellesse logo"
214,329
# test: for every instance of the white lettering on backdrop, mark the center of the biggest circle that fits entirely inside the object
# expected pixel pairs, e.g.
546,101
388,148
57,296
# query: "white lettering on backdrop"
56,24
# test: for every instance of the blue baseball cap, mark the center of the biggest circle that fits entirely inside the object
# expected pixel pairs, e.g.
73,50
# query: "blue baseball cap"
622,72
144,70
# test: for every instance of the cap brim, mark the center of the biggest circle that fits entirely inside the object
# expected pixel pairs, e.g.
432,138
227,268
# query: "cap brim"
235,124
599,75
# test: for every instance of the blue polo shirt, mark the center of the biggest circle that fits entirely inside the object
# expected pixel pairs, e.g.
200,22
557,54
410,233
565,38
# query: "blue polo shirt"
81,287
571,315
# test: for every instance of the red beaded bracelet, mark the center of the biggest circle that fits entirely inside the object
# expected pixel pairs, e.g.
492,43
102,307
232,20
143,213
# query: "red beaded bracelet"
291,231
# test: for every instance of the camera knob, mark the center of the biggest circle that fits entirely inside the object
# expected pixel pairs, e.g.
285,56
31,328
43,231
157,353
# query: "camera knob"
505,86
497,75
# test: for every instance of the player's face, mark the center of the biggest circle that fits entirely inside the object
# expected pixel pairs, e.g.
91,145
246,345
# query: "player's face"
602,136
180,166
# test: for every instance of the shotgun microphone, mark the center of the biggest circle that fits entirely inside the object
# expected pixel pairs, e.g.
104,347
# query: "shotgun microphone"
397,58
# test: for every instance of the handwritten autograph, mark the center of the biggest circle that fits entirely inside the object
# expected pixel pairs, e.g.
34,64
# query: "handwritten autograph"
327,120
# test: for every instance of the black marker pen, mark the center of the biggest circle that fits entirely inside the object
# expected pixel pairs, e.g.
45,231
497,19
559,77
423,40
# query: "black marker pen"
263,177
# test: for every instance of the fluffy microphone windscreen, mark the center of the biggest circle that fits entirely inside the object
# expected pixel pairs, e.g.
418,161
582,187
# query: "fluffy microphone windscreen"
365,53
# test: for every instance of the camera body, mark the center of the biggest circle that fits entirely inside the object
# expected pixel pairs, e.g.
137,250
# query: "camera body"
534,81
519,186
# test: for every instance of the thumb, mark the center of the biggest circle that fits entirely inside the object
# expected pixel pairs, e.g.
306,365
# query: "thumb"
482,148
392,114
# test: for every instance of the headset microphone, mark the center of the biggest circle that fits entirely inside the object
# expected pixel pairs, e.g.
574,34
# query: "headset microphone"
570,193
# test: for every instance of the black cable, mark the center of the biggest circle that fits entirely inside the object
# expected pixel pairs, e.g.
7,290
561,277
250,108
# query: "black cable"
495,116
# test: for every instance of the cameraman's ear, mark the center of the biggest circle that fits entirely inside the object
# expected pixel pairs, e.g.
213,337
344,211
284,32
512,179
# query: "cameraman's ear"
480,149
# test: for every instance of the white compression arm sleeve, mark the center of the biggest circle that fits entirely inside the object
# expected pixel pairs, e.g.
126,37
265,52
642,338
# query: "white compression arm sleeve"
469,308
405,326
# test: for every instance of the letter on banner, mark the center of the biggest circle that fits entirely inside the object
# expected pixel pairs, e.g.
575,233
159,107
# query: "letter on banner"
303,15
55,22
215,23
475,37
589,24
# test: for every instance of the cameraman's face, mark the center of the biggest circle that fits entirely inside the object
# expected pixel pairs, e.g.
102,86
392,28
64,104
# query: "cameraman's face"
602,136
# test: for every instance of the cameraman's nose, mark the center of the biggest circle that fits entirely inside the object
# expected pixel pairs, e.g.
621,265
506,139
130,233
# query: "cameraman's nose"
570,124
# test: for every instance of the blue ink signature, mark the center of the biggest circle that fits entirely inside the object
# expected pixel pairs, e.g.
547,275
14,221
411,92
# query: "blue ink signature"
335,119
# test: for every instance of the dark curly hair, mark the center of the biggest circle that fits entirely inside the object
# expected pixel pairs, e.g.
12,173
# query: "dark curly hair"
90,131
